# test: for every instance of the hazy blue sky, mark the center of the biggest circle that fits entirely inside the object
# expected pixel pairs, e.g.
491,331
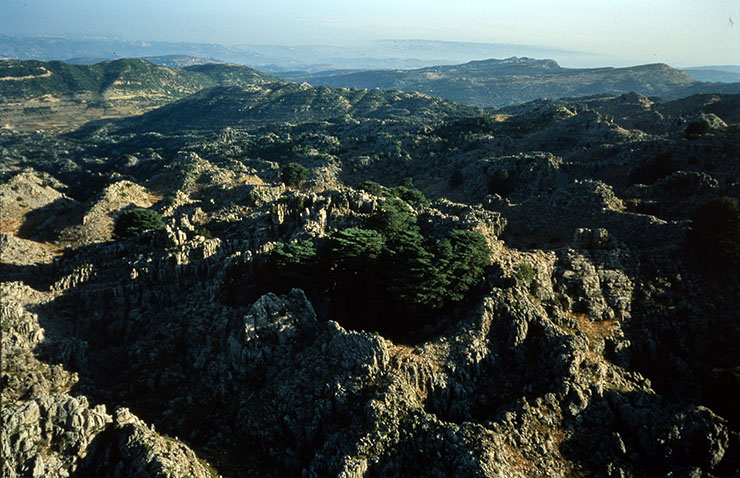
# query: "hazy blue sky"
679,32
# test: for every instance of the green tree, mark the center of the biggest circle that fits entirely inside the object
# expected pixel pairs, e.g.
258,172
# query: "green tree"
462,258
352,251
392,217
289,254
408,269
294,174
697,128
411,195
288,265
373,188
137,220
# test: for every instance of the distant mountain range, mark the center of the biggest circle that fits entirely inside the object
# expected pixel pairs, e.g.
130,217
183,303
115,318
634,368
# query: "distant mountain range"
717,73
276,58
516,80
35,94
173,61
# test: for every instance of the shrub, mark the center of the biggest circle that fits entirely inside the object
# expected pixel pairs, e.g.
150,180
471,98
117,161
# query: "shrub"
373,188
459,128
137,220
525,274
294,174
203,231
697,128
714,235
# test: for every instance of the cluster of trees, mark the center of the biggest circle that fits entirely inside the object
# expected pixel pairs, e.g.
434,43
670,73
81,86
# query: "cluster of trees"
385,276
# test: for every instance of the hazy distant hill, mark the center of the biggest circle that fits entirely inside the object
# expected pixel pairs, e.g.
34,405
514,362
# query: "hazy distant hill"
43,94
180,61
26,79
61,48
719,73
516,80
173,61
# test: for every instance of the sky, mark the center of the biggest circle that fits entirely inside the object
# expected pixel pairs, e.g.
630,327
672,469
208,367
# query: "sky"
617,32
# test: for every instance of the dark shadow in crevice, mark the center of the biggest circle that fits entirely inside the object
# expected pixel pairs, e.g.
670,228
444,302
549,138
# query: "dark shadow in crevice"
499,382
92,328
43,224
643,434
37,276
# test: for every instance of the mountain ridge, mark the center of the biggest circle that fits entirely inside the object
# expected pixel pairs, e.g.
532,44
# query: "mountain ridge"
495,83
37,94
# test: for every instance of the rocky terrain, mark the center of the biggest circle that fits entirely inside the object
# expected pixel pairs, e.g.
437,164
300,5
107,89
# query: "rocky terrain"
249,336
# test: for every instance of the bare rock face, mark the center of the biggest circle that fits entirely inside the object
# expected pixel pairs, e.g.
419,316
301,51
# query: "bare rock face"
25,374
49,433
130,447
60,436
97,219
26,192
22,252
47,436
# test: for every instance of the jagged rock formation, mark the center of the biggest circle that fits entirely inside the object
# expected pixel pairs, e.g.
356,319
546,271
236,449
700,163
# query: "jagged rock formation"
591,345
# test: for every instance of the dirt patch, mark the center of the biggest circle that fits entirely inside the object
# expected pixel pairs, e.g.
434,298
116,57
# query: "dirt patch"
45,74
